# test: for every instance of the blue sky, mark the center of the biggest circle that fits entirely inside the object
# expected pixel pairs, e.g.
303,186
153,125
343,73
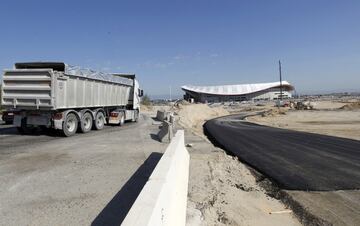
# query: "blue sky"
203,42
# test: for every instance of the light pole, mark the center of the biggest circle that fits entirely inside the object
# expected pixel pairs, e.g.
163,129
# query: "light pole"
281,94
170,93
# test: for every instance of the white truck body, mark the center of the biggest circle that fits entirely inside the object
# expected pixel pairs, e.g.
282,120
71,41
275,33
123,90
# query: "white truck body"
43,94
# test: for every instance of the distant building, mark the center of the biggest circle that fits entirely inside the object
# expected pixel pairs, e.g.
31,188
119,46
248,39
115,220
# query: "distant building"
243,92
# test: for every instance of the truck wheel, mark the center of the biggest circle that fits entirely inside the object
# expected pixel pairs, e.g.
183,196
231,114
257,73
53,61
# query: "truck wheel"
45,129
24,129
122,119
86,122
70,124
99,121
136,116
20,130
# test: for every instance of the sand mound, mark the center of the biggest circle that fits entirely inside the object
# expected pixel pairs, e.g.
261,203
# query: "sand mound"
193,116
183,102
145,108
352,106
273,112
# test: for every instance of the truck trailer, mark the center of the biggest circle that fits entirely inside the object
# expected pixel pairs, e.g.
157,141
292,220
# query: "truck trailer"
68,98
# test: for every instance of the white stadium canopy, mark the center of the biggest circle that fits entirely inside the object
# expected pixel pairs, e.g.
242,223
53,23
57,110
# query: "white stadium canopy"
235,89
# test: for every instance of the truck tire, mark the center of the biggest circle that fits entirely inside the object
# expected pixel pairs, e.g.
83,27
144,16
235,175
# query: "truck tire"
8,122
70,124
46,130
122,119
20,130
86,122
99,121
136,116
24,129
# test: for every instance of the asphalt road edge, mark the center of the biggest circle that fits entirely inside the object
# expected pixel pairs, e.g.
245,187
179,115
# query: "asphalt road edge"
301,212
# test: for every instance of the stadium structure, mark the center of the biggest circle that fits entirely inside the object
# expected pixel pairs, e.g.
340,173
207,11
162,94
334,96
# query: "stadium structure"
242,92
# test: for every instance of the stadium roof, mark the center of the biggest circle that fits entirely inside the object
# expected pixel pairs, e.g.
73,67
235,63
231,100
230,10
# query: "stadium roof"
236,89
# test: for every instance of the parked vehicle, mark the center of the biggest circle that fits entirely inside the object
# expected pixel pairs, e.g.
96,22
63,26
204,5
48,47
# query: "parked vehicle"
8,117
68,98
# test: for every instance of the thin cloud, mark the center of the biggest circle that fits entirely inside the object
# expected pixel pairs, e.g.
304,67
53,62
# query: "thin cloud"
151,64
179,57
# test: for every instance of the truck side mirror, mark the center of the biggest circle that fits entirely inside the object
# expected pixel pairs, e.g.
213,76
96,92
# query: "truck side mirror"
141,93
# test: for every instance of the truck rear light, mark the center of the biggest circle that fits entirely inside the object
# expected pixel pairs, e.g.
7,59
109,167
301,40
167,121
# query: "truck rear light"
114,114
57,116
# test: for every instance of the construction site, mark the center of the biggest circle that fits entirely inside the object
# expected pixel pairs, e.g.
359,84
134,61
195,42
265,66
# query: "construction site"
224,186
231,183
180,113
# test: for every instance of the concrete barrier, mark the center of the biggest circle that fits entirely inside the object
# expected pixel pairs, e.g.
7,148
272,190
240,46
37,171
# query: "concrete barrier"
163,199
162,115
166,132
172,118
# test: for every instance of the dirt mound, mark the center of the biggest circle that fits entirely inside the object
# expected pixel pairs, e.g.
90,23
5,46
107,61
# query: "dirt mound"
145,108
183,102
273,112
351,106
193,116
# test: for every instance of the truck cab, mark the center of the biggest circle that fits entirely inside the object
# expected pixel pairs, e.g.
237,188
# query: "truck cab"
119,116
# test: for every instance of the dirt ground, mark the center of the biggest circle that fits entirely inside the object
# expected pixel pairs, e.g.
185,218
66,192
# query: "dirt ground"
194,116
87,179
335,119
328,105
222,190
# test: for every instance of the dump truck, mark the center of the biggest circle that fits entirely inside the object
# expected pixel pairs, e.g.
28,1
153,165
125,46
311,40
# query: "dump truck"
68,98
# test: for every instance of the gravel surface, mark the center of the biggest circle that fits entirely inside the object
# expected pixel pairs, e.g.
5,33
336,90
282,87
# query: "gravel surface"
223,191
86,179
340,123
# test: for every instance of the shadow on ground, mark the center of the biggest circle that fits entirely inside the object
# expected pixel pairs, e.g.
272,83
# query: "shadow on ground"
8,130
154,137
156,120
12,130
116,210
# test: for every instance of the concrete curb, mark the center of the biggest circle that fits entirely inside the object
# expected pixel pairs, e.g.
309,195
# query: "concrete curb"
163,199
162,115
166,132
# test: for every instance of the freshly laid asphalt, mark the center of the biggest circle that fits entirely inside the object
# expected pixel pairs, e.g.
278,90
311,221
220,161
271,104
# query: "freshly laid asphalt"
294,160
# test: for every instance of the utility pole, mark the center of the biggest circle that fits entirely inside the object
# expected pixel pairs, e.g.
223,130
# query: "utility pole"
281,94
170,94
